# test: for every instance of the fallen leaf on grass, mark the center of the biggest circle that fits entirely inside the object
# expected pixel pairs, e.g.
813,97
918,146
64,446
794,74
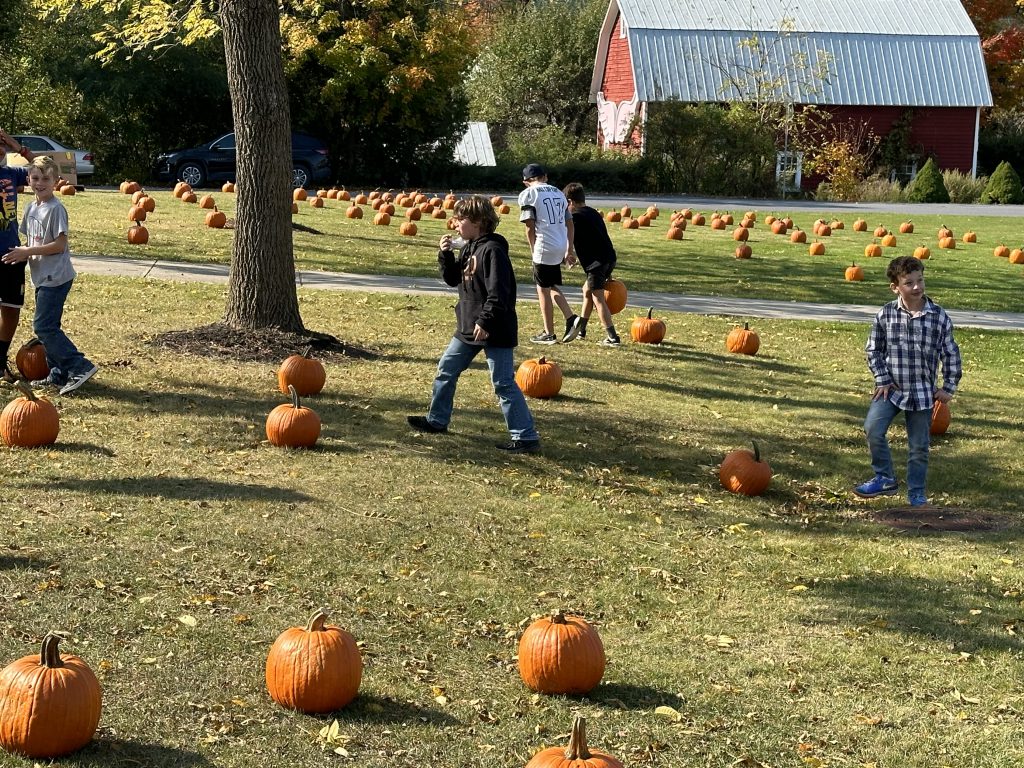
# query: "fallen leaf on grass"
188,621
668,712
965,699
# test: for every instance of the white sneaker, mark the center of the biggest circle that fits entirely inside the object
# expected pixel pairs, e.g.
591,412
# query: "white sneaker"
78,379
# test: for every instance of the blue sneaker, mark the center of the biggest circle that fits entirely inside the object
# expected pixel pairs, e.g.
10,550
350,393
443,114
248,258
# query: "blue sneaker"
877,486
917,500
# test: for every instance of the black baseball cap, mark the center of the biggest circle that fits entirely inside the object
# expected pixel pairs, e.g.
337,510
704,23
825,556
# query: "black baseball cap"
533,171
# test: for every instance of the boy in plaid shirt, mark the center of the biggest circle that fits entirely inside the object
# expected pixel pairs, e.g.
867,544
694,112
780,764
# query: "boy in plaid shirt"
909,337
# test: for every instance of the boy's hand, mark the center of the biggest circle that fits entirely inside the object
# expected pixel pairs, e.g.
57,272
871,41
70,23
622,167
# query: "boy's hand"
479,334
943,396
16,255
571,260
882,393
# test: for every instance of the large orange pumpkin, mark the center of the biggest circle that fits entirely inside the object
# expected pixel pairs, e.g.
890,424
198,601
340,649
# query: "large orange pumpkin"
743,472
561,654
29,421
292,425
647,330
940,418
539,377
854,273
743,340
216,219
615,295
576,755
50,703
31,360
316,668
138,234
305,373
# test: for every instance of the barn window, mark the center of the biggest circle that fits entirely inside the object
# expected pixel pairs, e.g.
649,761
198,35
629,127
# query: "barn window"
904,172
789,170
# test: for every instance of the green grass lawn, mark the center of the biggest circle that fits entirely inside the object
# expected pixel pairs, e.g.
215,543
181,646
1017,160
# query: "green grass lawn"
173,544
969,277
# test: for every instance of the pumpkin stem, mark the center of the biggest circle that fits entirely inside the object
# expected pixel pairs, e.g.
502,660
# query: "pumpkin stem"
49,655
577,749
746,326
542,360
316,621
649,311
558,617
757,451
26,390
308,351
295,396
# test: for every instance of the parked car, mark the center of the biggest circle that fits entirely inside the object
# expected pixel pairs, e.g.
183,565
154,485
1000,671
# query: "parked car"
83,157
215,161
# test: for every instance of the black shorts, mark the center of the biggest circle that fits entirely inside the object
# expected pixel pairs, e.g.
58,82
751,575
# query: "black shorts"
12,285
547,275
599,275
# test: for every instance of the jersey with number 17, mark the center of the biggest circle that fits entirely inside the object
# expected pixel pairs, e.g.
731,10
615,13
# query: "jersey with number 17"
548,208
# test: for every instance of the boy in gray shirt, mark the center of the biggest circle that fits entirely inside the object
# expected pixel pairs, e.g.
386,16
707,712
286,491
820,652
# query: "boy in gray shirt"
45,229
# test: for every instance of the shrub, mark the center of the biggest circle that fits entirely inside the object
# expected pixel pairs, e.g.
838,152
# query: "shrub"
878,188
1003,186
928,186
962,188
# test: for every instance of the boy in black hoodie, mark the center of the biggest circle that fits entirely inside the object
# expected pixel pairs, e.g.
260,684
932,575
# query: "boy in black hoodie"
485,320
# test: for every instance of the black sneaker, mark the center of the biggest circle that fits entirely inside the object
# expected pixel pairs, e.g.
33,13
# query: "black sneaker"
421,424
572,328
520,446
78,379
8,375
544,338
611,341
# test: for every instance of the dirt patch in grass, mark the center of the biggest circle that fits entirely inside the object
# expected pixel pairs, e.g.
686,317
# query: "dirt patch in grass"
939,519
223,341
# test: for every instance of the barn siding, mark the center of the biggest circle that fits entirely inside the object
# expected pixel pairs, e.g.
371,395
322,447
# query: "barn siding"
947,133
617,83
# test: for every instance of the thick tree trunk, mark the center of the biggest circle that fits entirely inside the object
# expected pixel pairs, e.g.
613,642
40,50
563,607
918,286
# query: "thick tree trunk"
261,285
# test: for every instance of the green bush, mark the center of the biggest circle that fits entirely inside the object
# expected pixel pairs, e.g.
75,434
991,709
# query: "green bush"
962,188
1003,186
878,188
928,186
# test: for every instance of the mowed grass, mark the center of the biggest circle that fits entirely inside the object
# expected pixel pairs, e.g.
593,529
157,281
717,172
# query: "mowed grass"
173,544
970,277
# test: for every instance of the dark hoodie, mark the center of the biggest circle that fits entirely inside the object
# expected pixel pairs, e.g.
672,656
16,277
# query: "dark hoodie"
487,290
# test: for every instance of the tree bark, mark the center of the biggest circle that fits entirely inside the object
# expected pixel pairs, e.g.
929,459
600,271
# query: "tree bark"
261,283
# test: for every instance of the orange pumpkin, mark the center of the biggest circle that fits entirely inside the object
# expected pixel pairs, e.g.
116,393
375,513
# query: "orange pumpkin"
29,421
615,295
854,273
922,252
305,373
407,228
796,236
906,228
382,219
674,233
743,341
697,220
292,425
860,225
148,204
50,703
207,202
1016,256
413,214
647,330
539,377
778,226
31,360
216,219
743,472
354,212
970,237
889,241
561,655
816,249
743,251
189,197
740,234
718,223
630,224
138,234
136,213
316,202
1001,251
881,231
872,250
576,755
945,231
837,224
940,418
948,243
229,186
314,669
613,217
299,194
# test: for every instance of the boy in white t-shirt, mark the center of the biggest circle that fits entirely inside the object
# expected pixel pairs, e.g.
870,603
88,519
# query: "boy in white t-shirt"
45,229
549,230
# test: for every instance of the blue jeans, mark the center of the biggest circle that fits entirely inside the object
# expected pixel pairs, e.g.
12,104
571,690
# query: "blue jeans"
455,360
61,353
919,423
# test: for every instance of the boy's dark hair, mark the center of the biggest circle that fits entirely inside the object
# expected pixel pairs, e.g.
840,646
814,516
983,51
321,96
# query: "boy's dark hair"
902,266
574,193
479,210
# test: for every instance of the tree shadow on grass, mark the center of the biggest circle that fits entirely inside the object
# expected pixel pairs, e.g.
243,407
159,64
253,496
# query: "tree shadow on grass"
385,711
914,606
30,562
114,753
179,488
627,696
62,447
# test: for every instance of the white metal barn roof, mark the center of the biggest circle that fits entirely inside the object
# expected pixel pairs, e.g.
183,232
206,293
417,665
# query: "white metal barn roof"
474,148
879,52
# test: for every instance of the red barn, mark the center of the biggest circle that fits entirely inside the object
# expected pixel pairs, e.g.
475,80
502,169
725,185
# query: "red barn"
866,61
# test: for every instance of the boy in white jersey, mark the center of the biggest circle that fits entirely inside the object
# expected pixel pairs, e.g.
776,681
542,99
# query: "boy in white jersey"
545,212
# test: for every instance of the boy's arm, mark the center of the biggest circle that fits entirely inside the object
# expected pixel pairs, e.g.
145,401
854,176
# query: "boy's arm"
570,253
449,267
531,233
875,352
498,278
22,252
952,363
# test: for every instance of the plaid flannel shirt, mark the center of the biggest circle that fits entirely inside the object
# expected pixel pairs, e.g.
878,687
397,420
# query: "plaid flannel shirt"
904,350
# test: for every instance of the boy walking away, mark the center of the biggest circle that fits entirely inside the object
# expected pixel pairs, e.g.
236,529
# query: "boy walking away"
594,250
549,231
45,228
908,339
485,317
12,275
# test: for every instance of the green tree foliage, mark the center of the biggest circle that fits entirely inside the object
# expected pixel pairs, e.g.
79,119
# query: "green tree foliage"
1003,186
928,186
534,69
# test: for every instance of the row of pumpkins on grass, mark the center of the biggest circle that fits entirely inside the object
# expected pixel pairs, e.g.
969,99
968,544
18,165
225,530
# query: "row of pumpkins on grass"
50,703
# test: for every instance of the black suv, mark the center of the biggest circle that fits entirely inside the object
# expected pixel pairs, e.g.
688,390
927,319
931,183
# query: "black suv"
216,162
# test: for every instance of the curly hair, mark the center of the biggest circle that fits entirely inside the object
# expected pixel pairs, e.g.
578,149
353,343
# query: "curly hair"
479,210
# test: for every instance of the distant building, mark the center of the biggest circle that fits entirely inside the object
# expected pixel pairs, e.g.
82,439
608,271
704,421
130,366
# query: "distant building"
884,58
474,148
